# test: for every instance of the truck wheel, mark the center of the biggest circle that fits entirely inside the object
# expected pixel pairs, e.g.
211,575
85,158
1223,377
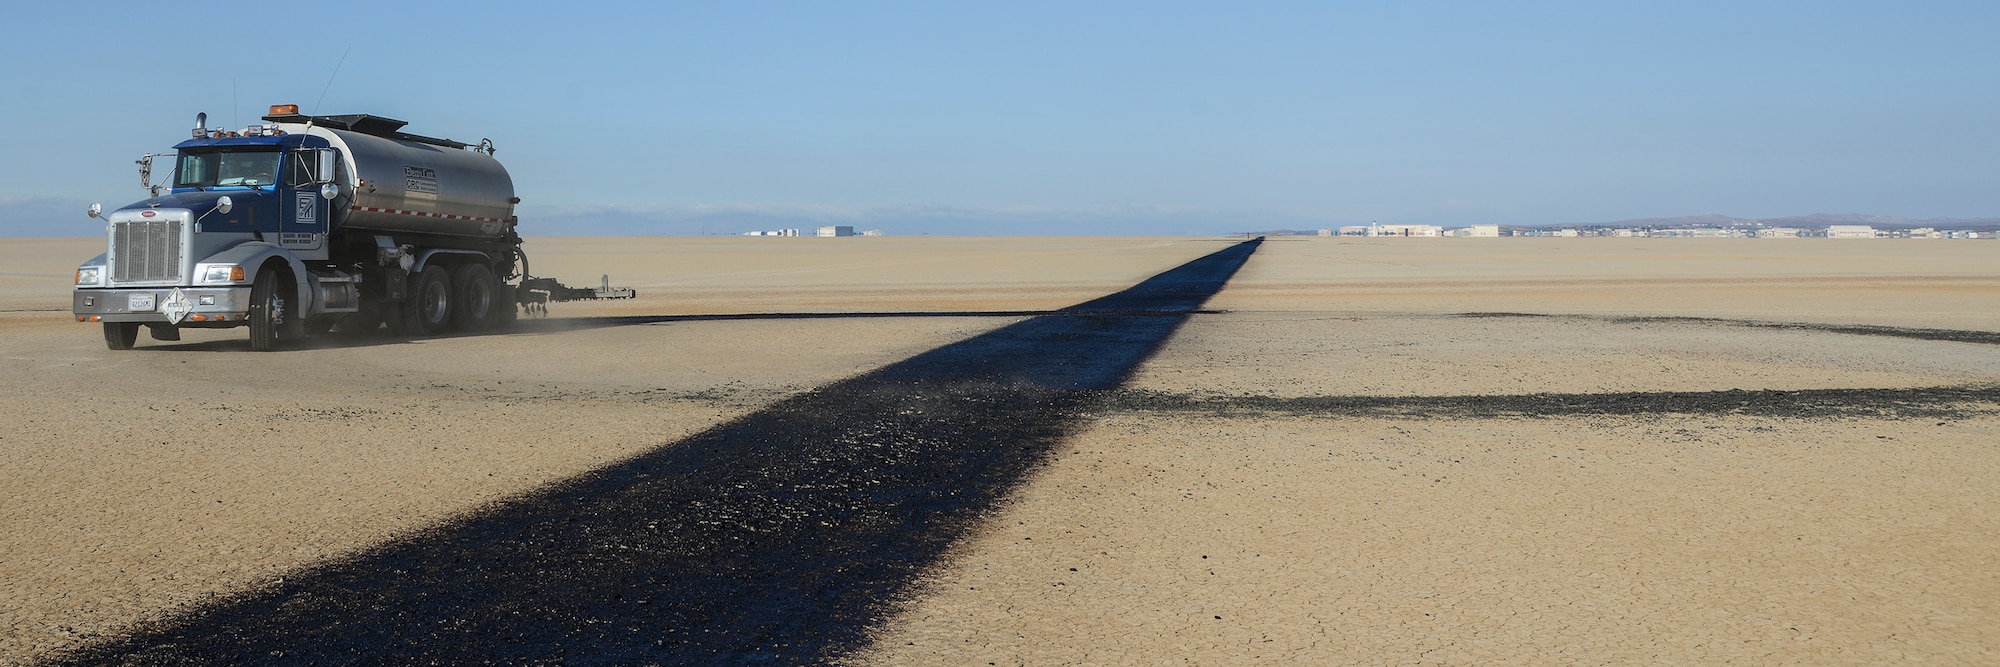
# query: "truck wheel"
267,311
428,308
477,299
121,335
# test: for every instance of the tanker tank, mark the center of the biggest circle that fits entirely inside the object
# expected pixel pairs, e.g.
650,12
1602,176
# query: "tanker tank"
403,183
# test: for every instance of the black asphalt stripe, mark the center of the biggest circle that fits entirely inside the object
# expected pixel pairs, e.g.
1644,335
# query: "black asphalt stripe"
1889,403
778,537
538,325
1947,335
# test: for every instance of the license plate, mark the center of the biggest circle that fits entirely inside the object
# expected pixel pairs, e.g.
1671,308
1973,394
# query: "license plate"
142,302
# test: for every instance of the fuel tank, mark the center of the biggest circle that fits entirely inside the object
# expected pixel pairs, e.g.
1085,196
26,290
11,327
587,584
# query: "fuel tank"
411,184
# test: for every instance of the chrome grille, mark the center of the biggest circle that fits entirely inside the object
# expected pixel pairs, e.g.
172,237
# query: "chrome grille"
146,251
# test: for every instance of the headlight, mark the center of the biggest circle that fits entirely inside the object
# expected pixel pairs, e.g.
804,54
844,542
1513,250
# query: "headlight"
221,273
90,276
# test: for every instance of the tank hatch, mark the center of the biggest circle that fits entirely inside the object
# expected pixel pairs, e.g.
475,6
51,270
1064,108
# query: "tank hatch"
366,124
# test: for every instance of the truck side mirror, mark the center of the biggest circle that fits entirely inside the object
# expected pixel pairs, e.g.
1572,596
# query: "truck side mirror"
325,172
96,210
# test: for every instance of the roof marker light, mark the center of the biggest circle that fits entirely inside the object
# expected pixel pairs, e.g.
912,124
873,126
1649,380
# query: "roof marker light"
284,110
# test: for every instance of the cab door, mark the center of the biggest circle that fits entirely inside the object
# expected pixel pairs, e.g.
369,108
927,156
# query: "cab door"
304,212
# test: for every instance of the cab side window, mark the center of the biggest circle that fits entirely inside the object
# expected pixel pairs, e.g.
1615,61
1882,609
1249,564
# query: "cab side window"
298,168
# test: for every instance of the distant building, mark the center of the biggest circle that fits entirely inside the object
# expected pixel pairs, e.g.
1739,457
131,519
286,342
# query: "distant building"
1407,230
1354,230
1850,232
836,230
1698,233
1478,231
1780,233
1326,232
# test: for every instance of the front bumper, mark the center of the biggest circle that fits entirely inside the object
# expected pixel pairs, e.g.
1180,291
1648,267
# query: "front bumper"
196,307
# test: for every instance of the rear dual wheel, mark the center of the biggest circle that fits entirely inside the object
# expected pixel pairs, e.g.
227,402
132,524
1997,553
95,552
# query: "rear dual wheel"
478,306
466,298
427,310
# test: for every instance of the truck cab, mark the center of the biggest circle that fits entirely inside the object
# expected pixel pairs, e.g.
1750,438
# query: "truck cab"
290,226
191,256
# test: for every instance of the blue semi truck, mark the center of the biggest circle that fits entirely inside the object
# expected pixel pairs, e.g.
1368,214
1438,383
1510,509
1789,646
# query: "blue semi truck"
304,223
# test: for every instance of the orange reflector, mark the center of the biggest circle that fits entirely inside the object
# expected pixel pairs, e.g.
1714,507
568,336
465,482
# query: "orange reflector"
284,110
198,317
95,318
235,273
81,318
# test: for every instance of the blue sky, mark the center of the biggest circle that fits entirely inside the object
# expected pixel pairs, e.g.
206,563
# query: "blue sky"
1056,118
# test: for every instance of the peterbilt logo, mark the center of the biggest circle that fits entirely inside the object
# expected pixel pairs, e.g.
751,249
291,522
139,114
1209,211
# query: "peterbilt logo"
146,214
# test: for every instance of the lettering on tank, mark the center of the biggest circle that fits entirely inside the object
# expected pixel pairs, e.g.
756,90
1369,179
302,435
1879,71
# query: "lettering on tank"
420,182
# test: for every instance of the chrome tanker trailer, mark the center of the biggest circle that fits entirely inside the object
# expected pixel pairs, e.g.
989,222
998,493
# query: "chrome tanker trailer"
306,222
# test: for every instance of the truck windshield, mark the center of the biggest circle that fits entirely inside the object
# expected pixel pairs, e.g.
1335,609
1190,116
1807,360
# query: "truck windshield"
230,167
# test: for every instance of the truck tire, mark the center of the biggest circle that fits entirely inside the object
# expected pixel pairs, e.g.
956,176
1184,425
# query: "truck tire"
267,311
121,335
428,309
478,301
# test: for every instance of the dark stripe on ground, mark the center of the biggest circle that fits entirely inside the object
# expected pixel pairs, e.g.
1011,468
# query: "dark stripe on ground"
779,537
565,323
1947,335
1891,403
